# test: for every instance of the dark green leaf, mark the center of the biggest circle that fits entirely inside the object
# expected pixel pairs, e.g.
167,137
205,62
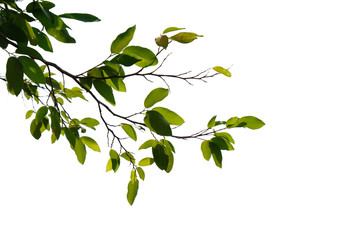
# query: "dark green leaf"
141,173
36,5
225,135
222,71
35,129
105,91
14,75
43,40
171,117
155,96
29,32
129,130
157,123
14,32
211,123
222,143
32,70
216,154
29,51
185,37
146,56
205,149
84,17
146,161
40,114
55,122
91,143
133,187
160,157
70,137
125,60
172,29
122,40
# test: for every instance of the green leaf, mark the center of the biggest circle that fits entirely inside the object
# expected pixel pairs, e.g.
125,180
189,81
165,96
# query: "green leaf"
128,156
211,123
171,117
168,145
125,60
70,137
90,122
216,154
222,143
32,70
225,135
27,30
55,122
14,75
105,91
172,29
84,17
170,164
185,37
116,83
80,150
157,123
122,40
222,71
29,114
133,187
109,165
129,130
160,157
155,96
35,129
30,52
149,143
114,161
232,122
205,149
61,35
113,154
251,122
36,5
14,32
91,143
146,56
141,173
40,114
162,41
43,40
146,162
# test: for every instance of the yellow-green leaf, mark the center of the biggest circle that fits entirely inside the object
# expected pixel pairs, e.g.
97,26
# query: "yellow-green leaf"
91,143
129,130
222,71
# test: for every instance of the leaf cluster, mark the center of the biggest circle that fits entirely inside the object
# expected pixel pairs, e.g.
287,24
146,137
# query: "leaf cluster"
26,33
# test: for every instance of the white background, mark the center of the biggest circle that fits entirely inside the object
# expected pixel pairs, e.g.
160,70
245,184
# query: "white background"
295,66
